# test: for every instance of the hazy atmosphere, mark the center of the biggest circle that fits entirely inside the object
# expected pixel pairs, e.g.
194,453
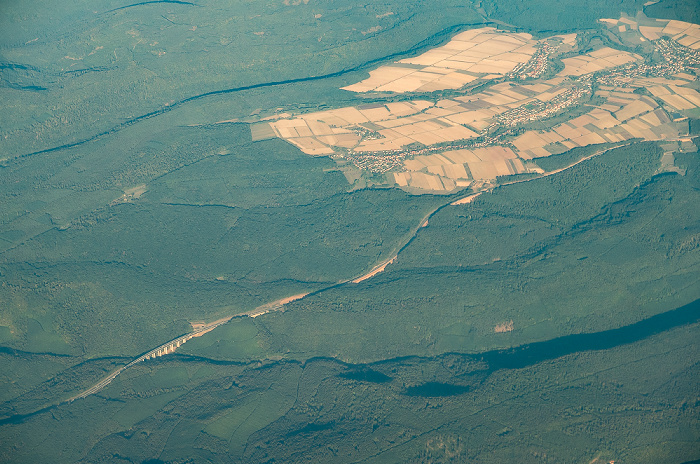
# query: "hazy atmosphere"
328,231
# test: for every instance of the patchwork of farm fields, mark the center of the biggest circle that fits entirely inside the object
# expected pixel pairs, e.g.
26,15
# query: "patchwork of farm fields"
472,138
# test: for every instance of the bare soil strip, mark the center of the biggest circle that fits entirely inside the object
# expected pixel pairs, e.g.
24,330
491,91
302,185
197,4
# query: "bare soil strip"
375,270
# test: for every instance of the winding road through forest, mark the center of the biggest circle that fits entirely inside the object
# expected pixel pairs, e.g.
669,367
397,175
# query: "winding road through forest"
278,305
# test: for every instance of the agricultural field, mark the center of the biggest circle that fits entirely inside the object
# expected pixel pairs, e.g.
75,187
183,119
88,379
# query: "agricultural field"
422,145
474,55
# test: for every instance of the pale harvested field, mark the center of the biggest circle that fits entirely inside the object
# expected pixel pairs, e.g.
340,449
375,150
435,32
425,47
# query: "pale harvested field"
677,102
635,108
401,178
464,59
476,54
684,33
569,39
634,116
528,141
458,168
597,60
311,146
